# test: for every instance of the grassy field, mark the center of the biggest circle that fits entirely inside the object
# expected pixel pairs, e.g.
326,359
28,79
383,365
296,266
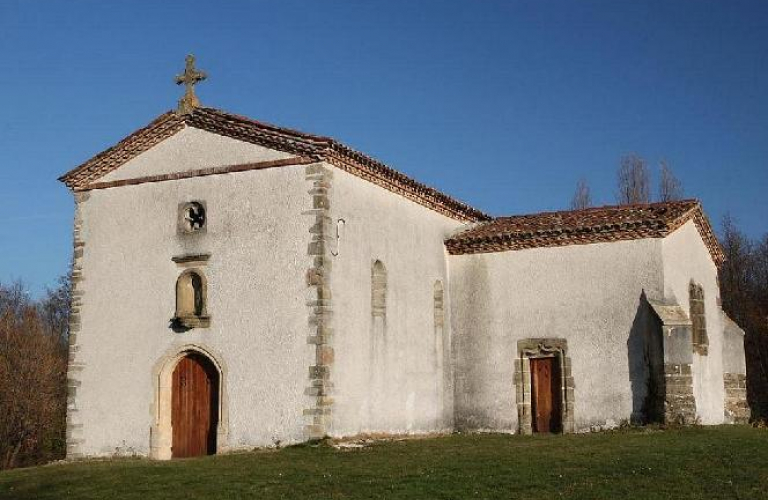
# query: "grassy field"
701,463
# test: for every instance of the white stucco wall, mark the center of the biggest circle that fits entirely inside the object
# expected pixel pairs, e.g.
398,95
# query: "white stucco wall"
402,392
192,149
257,239
586,294
686,258
734,358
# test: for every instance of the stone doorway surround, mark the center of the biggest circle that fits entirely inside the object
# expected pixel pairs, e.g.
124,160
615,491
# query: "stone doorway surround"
161,432
528,349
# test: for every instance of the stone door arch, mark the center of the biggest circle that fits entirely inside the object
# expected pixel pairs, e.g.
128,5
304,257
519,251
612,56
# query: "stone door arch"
161,436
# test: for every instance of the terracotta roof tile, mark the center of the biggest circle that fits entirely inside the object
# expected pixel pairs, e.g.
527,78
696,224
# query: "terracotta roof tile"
310,146
592,225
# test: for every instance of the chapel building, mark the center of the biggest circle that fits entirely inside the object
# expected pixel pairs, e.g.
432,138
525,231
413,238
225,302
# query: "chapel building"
239,284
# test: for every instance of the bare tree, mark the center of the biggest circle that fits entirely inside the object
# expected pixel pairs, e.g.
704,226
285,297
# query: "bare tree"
582,198
33,361
744,291
55,308
734,275
32,390
14,299
761,276
670,188
633,181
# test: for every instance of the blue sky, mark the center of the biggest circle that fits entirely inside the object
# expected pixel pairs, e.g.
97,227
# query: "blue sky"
504,105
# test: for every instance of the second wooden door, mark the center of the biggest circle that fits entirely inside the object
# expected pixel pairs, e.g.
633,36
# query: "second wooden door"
545,395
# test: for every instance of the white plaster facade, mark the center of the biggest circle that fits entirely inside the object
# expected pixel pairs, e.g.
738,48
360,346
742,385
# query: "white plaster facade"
256,237
424,365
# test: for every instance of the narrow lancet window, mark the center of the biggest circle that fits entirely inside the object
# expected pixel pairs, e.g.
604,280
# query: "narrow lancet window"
379,289
698,319
439,310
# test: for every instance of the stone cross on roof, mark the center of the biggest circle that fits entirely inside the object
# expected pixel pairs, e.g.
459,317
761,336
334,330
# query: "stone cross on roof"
189,78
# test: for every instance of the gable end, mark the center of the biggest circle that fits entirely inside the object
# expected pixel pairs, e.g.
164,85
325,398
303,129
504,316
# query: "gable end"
308,147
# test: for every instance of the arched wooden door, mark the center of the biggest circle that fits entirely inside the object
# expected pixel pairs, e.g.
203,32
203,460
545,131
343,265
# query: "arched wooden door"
195,406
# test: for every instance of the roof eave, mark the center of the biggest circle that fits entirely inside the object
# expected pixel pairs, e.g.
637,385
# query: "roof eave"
458,245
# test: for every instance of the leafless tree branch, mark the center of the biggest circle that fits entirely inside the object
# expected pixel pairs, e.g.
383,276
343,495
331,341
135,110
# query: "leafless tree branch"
582,198
670,188
633,181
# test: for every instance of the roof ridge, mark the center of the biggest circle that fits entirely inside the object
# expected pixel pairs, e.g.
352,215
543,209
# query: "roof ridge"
339,146
275,128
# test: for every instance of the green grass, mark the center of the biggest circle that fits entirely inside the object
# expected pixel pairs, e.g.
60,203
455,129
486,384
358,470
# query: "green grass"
691,463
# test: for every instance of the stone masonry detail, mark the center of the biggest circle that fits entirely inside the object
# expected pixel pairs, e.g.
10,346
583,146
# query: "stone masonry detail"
679,402
75,365
319,412
676,389
736,407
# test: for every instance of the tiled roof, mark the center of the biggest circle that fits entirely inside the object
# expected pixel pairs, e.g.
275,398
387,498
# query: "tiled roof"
577,227
314,147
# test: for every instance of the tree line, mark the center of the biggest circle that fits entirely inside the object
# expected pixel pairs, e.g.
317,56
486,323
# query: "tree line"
633,184
33,367
744,294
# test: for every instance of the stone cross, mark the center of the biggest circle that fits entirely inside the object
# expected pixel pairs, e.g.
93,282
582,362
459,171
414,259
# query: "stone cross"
189,78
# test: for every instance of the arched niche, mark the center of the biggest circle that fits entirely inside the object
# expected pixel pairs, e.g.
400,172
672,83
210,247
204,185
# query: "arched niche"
191,300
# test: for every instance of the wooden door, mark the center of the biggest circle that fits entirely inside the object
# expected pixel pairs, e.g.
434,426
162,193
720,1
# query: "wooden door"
545,395
194,415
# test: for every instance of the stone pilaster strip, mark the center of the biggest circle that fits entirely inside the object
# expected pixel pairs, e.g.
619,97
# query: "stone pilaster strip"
569,394
75,365
523,391
320,386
